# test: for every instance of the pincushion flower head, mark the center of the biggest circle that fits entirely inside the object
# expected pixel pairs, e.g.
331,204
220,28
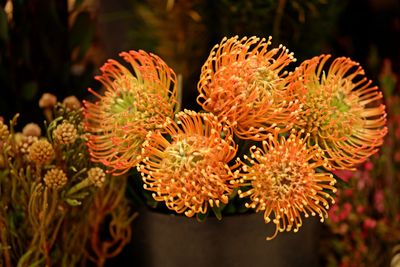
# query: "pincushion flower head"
340,110
243,83
189,171
133,104
282,181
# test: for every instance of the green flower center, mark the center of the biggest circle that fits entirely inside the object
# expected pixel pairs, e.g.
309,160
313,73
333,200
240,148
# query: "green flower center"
185,153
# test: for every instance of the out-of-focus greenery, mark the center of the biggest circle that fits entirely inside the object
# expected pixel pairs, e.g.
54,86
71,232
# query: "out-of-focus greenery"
45,46
182,32
68,225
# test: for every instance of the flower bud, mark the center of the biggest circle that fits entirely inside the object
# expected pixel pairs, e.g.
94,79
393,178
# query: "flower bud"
41,152
65,133
32,129
55,178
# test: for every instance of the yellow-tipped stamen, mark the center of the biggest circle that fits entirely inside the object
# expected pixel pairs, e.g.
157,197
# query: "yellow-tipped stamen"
244,84
340,109
133,104
284,182
190,172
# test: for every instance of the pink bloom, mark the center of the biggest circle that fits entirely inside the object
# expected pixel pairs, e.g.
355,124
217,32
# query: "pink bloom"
348,192
369,223
379,201
345,175
368,165
360,209
345,212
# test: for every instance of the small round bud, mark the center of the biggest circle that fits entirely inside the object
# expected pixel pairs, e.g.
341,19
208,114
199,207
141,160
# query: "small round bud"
65,133
47,100
24,142
96,176
32,129
4,133
72,103
55,178
41,152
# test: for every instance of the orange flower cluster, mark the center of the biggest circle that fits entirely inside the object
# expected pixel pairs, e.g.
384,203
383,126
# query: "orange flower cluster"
340,109
190,172
284,181
309,122
243,83
133,104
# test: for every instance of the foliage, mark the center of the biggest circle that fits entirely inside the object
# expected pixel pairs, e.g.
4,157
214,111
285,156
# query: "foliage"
63,225
46,46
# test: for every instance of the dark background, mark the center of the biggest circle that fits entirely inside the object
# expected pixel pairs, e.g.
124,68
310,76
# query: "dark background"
57,46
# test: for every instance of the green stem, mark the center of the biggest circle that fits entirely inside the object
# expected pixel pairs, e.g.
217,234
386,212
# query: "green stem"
79,186
4,245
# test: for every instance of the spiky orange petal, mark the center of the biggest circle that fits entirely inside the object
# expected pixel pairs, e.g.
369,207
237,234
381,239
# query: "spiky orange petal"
133,104
190,172
243,83
340,109
282,181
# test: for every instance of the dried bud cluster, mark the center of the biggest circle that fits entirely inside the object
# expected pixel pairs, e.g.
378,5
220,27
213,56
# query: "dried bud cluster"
55,178
3,131
25,142
41,152
96,176
47,100
65,133
72,103
32,129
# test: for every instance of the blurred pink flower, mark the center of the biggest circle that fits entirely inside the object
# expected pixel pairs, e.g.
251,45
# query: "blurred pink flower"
369,223
379,198
368,165
360,209
348,192
345,212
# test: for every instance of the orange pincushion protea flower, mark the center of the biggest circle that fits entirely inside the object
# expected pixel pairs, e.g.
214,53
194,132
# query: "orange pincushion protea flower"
283,180
133,104
190,171
340,109
242,82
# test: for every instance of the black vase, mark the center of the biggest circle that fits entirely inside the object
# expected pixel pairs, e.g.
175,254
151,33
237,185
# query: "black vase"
161,240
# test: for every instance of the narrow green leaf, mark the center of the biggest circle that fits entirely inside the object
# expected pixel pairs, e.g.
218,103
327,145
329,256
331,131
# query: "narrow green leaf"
217,212
201,217
73,202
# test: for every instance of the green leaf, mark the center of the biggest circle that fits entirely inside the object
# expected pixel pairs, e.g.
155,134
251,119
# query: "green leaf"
80,195
230,208
201,217
217,212
73,202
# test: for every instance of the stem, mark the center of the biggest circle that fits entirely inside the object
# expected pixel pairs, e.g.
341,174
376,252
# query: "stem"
46,253
3,236
48,114
82,184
